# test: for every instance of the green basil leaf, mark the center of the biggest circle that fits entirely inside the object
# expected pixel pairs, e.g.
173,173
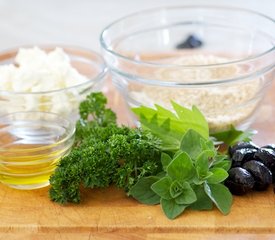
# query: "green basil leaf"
146,111
187,196
181,168
202,163
169,139
165,113
219,175
170,127
162,187
203,201
175,189
190,143
165,160
171,208
142,191
192,119
220,195
232,136
169,130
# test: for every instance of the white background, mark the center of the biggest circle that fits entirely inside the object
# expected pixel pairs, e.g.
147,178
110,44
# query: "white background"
79,22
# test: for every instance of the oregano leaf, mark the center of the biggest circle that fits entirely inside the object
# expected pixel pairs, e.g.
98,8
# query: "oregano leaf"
162,187
142,191
165,160
190,143
175,189
203,201
202,163
171,208
187,195
218,175
181,168
220,195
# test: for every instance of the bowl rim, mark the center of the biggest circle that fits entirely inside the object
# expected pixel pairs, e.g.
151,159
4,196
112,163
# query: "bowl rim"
105,46
71,128
102,73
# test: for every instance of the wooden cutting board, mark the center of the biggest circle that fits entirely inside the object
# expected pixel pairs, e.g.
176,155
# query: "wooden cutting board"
109,214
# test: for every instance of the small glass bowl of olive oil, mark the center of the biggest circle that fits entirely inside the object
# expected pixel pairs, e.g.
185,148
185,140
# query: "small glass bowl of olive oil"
31,145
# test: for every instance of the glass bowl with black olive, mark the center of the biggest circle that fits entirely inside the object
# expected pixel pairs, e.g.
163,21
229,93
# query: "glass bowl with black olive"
220,59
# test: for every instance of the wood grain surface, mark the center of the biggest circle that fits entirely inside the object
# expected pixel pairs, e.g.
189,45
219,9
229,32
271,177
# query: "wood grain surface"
109,214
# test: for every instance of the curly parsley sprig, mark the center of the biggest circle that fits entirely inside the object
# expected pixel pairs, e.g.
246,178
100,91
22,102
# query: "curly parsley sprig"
104,154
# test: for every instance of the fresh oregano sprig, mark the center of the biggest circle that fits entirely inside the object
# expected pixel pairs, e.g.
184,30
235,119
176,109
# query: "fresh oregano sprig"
192,178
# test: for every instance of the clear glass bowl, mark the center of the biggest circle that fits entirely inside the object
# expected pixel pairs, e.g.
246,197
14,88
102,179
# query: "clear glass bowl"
226,78
63,101
31,145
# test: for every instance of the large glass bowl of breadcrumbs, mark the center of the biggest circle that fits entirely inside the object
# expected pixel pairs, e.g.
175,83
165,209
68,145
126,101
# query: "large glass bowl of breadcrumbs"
218,59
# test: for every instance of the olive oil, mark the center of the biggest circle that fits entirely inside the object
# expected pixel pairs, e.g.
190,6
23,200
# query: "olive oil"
31,145
29,165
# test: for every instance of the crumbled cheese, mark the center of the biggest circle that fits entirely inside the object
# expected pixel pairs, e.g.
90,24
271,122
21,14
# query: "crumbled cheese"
36,71
223,105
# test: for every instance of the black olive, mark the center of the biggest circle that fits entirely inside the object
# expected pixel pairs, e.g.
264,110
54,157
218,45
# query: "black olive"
191,41
241,145
273,174
262,175
242,155
266,156
270,146
239,181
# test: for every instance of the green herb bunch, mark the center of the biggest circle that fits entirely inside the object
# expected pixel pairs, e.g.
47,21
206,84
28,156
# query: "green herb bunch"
192,178
104,153
171,160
